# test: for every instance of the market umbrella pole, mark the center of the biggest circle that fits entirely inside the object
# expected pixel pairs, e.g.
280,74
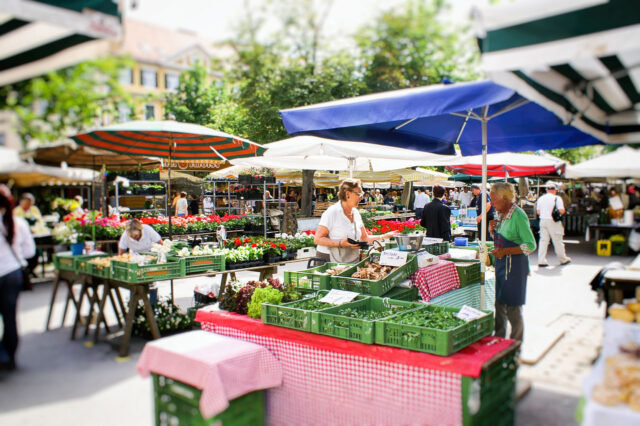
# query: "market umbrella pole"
483,228
168,206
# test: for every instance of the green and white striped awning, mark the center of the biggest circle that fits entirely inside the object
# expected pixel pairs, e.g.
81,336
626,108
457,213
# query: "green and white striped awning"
578,58
38,36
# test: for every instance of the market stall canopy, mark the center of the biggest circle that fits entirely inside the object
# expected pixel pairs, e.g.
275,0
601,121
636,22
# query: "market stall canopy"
69,152
38,36
624,162
169,139
577,58
511,164
314,153
27,174
164,175
435,118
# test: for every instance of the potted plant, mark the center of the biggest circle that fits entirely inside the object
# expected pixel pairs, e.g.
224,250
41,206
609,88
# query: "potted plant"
151,174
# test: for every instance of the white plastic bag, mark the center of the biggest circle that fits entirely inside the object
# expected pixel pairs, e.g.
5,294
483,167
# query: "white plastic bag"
634,240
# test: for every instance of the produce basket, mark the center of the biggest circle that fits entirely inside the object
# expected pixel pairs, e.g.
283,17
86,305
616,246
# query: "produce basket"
292,315
469,271
99,270
134,273
197,264
331,323
82,262
409,294
344,281
64,262
313,278
432,340
437,249
177,404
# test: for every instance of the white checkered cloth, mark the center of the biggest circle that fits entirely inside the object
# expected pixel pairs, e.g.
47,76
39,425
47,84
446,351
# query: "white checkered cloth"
434,280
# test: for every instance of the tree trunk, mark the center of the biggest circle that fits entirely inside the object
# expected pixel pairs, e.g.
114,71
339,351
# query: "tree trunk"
307,192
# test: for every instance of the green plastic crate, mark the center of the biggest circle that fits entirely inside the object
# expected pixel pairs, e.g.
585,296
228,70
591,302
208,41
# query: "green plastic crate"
437,248
469,271
64,262
177,404
344,281
493,395
409,294
82,262
330,323
431,340
198,264
290,316
310,278
618,248
134,273
99,270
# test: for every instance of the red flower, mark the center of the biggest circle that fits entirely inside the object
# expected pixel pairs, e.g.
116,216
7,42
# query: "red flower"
254,245
282,246
273,245
237,241
247,240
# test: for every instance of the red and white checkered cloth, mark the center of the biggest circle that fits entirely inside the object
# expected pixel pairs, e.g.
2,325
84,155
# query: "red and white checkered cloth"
328,381
223,368
434,280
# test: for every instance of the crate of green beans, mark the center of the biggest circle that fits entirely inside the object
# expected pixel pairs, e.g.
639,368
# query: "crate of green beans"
296,315
432,329
356,320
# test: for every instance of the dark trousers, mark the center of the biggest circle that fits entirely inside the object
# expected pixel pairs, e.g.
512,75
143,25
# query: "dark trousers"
419,214
513,315
10,285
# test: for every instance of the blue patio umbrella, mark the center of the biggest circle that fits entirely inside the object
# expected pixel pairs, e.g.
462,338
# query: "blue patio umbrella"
479,116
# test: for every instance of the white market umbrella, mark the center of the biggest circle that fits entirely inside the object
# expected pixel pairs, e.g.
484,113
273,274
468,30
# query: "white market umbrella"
28,174
621,163
315,153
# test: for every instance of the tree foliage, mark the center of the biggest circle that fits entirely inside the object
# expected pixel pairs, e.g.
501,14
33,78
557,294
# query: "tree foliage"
194,99
67,101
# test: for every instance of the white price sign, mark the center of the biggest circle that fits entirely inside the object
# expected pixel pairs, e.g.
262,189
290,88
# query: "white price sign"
429,240
339,297
393,258
467,313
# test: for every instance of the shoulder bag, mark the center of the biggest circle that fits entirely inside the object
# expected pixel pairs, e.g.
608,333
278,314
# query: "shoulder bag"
555,213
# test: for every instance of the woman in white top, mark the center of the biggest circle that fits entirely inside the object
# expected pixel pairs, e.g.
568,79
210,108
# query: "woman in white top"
138,238
342,221
182,205
15,243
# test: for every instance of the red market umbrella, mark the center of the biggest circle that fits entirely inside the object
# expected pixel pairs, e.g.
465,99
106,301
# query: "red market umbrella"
510,165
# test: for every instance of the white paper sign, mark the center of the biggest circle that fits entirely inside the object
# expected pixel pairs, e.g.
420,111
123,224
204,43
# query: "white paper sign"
425,259
468,313
429,240
338,297
393,258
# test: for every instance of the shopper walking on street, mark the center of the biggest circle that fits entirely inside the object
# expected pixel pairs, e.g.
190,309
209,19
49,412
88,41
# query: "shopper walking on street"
418,204
550,230
182,205
514,242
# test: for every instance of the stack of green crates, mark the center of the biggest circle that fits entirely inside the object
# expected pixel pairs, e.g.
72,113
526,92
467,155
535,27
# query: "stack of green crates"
493,395
310,279
198,264
177,404
77,263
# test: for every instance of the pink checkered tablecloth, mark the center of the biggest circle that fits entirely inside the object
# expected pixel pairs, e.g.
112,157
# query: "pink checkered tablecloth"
434,280
329,381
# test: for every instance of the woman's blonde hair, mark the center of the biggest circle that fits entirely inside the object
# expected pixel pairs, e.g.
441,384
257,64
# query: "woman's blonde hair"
504,189
348,185
134,225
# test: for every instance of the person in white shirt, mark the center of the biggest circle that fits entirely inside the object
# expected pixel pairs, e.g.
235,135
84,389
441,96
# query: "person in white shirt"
182,205
550,229
16,243
207,205
465,197
138,238
418,204
342,222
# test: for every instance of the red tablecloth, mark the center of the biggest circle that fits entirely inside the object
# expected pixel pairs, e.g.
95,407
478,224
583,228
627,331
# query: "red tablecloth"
333,381
434,280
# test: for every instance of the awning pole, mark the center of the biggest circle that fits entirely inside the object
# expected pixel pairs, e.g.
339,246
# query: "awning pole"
483,228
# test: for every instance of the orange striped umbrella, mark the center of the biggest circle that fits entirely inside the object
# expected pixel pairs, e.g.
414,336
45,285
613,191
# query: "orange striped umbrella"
169,139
